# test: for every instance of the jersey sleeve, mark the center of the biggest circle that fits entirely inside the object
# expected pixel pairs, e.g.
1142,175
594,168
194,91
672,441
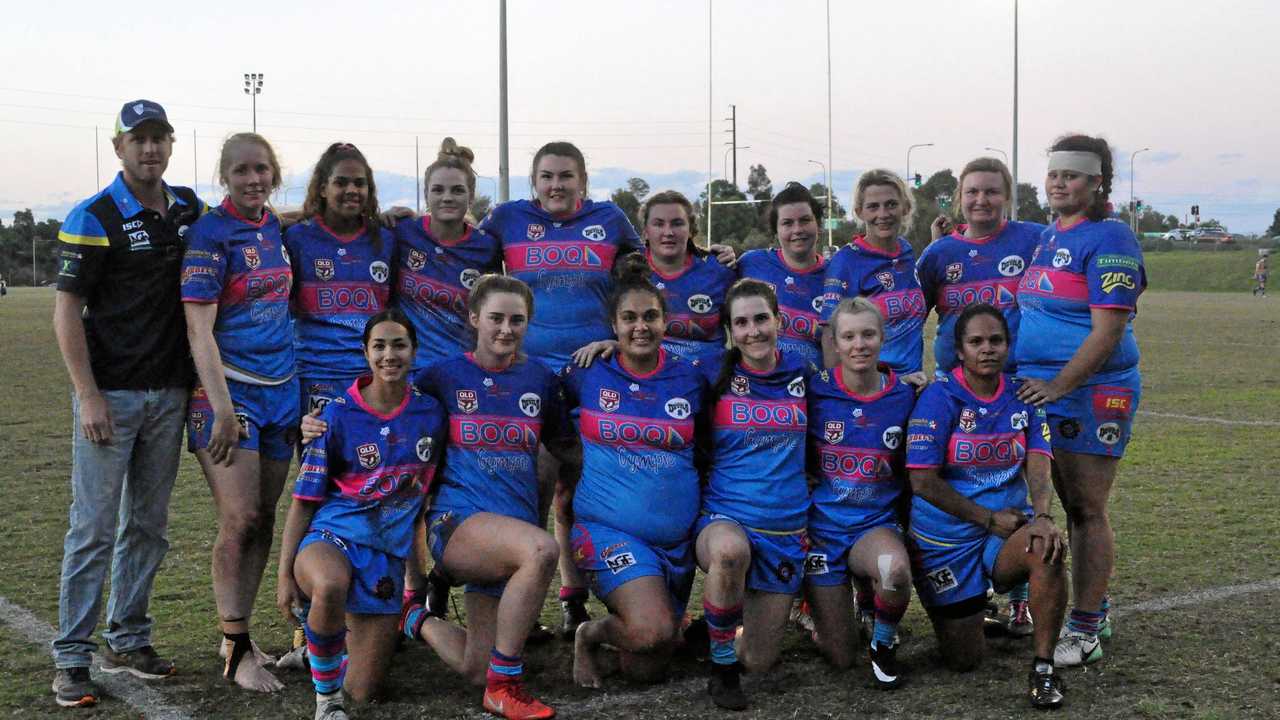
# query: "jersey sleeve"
1038,436
628,239
203,267
314,470
557,430
927,274
929,429
428,383
82,250
834,284
492,223
1116,277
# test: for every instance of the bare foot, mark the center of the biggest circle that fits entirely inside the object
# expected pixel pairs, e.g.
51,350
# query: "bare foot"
584,661
264,659
250,674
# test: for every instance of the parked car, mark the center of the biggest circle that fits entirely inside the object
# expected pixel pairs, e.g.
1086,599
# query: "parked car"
1212,236
1177,234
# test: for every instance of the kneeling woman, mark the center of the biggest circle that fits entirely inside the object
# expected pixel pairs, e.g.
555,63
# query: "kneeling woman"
974,450
637,499
751,534
857,414
358,496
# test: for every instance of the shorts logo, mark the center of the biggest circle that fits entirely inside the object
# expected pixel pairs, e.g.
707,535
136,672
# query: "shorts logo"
197,421
369,455
609,399
467,401
1069,429
1109,433
385,588
886,279
1113,280
833,431
954,272
423,448
739,385
968,420
417,260
379,271
679,408
941,580
243,420
892,437
1062,258
594,233
530,404
1012,265
700,304
1044,432
816,564
251,257
795,388
786,571
324,268
535,231
1018,420
619,562
1112,405
469,277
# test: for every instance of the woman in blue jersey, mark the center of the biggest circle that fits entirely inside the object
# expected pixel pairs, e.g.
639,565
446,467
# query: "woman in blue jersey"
360,492
794,269
639,414
235,290
858,413
979,462
751,532
880,265
342,258
1079,360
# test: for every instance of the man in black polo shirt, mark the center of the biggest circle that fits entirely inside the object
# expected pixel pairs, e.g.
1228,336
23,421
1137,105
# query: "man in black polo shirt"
118,320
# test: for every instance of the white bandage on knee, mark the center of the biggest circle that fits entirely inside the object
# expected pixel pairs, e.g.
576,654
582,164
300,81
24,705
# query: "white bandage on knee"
885,564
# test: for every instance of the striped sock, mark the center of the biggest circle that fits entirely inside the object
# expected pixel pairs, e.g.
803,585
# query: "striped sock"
1020,593
503,668
413,618
1106,605
722,626
887,618
328,655
1080,621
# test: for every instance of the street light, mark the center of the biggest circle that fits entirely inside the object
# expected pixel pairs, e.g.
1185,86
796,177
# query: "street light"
830,191
253,88
1002,153
726,157
1133,211
913,147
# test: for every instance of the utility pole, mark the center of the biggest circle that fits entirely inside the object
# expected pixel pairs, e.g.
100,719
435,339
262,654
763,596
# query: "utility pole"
504,168
417,173
195,163
733,134
97,171
1013,211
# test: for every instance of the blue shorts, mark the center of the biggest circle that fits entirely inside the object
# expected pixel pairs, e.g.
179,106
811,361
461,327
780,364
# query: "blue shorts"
611,559
314,393
377,578
946,573
269,414
827,562
1095,419
440,528
777,558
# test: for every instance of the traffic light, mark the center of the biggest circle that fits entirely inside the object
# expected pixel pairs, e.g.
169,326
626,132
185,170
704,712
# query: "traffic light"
916,179
1195,209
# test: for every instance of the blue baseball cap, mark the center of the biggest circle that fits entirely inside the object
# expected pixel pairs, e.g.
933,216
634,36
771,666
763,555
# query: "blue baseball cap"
137,112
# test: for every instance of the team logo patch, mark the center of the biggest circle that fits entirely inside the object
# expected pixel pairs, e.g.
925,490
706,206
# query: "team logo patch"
679,408
242,419
1062,258
316,402
324,268
251,257
620,561
886,279
942,580
467,401
816,564
795,388
417,260
968,420
594,233
1044,432
530,404
535,231
954,271
385,589
1018,420
892,437
700,304
1109,433
1117,279
369,455
284,253
609,399
379,271
1069,429
423,448
1011,265
833,431
816,303
469,277
739,385
1112,405
197,421
786,570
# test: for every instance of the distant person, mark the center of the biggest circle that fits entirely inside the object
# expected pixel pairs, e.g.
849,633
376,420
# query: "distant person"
1260,277
119,325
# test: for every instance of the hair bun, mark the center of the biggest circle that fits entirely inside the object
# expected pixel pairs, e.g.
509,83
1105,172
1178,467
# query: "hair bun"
631,268
450,148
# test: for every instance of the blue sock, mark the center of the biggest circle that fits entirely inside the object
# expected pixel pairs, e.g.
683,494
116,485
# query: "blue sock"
1020,593
1106,605
1080,621
503,668
328,656
722,626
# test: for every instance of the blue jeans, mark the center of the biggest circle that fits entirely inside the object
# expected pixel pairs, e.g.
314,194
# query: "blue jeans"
119,514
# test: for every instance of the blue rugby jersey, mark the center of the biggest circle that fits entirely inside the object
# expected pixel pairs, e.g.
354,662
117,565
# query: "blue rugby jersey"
568,263
979,446
1088,265
695,299
243,266
856,449
340,282
497,418
758,426
372,472
638,443
433,280
956,272
799,299
889,281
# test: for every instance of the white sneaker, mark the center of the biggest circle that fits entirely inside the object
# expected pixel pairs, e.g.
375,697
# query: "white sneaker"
330,707
1076,648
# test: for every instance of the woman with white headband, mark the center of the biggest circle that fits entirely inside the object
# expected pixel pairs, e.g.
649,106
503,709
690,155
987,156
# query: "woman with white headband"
1078,359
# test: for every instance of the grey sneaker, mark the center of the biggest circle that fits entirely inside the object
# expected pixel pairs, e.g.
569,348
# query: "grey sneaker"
73,688
143,663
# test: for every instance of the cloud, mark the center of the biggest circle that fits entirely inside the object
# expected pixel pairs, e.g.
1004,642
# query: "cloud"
1229,157
1160,157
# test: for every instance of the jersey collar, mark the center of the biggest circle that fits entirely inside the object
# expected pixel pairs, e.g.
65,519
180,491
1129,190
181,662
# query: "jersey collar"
466,233
229,208
364,380
890,381
127,204
957,374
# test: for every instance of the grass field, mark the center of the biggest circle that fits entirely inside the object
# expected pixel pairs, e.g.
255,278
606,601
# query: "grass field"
1197,506
1202,270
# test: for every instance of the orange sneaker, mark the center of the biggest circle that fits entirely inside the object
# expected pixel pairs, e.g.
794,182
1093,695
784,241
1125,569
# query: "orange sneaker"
510,700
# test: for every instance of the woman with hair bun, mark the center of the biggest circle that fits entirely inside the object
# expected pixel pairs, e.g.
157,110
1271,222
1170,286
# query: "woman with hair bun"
1078,359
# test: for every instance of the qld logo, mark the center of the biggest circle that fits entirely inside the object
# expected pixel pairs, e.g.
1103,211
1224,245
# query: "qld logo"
594,233
886,280
1011,265
423,448
379,271
369,456
700,304
892,437
324,268
609,399
535,231
833,431
251,258
530,404
417,260
968,420
954,272
679,408
467,401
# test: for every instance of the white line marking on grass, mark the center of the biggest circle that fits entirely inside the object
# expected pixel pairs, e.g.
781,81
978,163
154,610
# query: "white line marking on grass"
1219,421
1198,597
137,695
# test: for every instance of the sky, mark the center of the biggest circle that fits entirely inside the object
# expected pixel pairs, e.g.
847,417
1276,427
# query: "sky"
633,84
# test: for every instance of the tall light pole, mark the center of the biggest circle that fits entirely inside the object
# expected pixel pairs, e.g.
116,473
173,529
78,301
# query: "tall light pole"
1003,154
913,147
253,88
830,192
830,162
1133,211
504,167
1013,212
732,149
710,141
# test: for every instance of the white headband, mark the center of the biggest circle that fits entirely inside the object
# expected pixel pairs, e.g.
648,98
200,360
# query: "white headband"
1079,161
